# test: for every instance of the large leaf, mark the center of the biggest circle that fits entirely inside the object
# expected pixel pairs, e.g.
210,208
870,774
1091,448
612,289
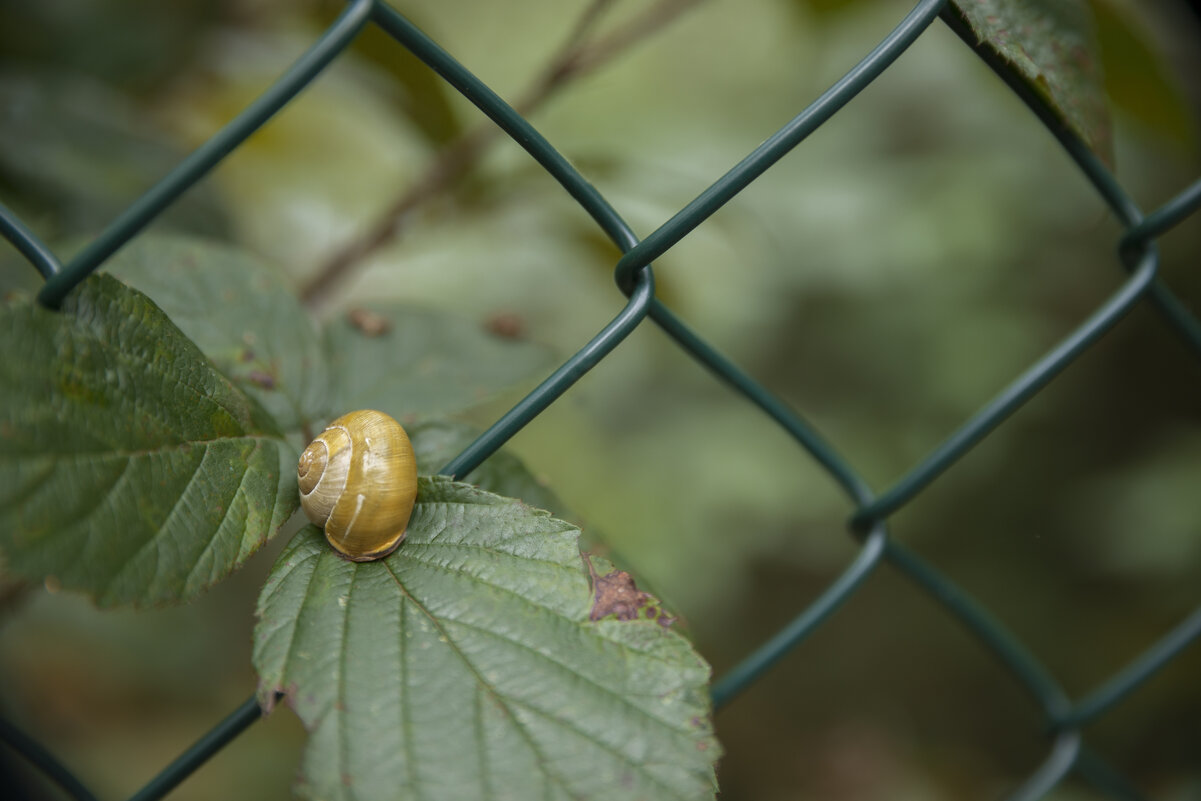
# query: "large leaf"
408,361
1052,45
131,469
241,314
467,665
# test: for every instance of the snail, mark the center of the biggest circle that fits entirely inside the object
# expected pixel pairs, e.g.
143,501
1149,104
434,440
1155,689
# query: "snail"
358,481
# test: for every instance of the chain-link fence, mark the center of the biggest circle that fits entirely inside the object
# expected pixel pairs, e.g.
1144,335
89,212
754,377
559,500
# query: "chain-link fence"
1065,716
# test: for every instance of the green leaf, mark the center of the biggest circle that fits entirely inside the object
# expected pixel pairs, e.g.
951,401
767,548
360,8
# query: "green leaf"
132,470
1052,45
408,361
242,315
466,666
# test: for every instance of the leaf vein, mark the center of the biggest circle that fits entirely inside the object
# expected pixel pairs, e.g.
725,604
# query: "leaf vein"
483,683
617,695
560,615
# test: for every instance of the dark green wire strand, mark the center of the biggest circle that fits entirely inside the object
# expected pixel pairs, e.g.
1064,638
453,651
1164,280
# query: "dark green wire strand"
27,244
1137,672
1010,399
1099,774
1065,750
780,143
200,752
43,760
1138,237
750,669
143,210
1164,218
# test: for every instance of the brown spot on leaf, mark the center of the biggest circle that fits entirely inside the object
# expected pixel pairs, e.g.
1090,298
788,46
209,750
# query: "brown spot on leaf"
616,593
261,379
506,325
368,322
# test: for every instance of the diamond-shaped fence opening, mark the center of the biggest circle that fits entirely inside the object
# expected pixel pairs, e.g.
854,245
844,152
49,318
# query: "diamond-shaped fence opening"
1064,716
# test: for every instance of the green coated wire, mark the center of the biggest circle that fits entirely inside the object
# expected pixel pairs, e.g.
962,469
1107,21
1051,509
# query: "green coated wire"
142,211
1099,774
1137,238
750,669
1133,675
201,751
27,244
1064,752
1164,218
36,755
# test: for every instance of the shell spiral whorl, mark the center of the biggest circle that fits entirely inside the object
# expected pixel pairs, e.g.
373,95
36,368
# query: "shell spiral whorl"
358,481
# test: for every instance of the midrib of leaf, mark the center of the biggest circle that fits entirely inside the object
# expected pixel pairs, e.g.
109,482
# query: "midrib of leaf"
166,448
128,359
343,736
239,492
166,524
406,722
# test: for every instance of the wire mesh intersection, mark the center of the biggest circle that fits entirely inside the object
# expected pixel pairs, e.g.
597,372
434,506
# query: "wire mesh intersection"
868,520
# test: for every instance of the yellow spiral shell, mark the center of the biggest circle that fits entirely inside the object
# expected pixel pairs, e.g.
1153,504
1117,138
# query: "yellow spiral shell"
358,481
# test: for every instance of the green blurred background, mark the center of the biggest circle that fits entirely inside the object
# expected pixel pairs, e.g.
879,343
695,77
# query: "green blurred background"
887,278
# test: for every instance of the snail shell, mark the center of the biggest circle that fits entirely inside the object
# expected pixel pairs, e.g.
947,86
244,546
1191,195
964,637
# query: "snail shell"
358,481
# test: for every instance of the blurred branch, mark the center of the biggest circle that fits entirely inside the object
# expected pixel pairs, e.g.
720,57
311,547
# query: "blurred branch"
582,53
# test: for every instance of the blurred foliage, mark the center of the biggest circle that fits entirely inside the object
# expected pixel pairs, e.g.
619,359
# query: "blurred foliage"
887,278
